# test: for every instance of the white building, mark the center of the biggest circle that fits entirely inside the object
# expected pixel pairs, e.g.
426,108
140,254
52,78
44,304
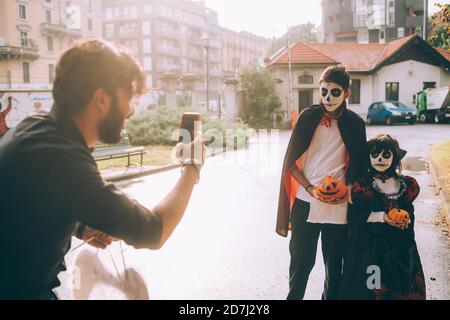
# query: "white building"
393,71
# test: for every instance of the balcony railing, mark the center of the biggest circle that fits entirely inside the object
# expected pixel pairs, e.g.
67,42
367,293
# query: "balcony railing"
11,53
166,32
59,30
165,67
128,33
215,58
169,50
414,21
215,44
417,5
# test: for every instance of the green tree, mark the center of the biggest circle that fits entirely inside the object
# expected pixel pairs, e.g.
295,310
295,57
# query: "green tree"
306,32
440,34
261,102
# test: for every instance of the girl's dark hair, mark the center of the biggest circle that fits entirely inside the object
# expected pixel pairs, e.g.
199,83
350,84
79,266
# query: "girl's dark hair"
91,65
385,142
336,74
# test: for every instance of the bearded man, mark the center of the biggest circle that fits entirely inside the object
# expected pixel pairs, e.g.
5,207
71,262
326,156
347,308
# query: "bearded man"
328,140
51,187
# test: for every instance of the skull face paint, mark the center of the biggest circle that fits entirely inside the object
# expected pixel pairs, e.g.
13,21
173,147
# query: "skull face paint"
381,160
332,95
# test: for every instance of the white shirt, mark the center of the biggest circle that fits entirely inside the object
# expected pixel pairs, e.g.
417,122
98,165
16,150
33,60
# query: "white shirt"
324,157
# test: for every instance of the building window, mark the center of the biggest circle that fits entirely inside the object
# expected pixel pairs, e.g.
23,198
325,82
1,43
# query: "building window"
22,11
306,79
24,39
48,16
51,73
50,46
26,72
392,91
109,30
355,87
146,46
147,64
146,28
391,19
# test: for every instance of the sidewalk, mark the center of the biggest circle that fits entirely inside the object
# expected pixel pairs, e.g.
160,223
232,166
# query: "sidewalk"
440,170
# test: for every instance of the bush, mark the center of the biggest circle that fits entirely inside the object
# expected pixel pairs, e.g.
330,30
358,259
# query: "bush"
156,127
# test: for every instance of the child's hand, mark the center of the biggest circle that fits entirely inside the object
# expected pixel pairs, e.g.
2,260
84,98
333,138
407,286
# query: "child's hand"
401,225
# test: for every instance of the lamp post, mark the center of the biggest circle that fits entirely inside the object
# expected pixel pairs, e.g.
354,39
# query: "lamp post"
206,46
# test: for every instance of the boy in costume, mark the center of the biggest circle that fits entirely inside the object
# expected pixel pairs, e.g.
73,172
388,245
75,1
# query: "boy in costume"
328,140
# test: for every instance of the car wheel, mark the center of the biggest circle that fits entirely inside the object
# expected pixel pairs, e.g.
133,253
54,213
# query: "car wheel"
369,120
423,117
389,121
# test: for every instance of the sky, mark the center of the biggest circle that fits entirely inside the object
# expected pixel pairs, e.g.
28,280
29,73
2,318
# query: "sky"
270,18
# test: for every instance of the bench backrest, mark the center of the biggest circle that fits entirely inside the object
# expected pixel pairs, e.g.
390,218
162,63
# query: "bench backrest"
124,142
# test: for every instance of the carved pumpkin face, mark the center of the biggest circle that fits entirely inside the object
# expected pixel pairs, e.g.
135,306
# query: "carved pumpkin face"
398,215
331,188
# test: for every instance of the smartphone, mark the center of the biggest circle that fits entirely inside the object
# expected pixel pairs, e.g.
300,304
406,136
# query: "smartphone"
190,121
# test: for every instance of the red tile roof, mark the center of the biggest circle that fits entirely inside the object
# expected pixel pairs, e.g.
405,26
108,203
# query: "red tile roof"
302,53
353,56
445,53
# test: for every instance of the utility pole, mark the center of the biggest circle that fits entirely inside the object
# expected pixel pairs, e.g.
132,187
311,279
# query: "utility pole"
205,39
290,74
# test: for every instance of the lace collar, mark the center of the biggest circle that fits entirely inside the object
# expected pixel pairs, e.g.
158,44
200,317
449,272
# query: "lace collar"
394,196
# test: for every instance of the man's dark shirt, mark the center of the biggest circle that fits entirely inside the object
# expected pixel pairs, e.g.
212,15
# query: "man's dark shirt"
49,183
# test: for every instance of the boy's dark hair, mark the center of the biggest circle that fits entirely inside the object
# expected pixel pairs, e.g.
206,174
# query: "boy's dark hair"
336,74
91,65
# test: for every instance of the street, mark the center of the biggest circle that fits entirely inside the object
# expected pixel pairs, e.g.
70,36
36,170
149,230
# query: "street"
226,246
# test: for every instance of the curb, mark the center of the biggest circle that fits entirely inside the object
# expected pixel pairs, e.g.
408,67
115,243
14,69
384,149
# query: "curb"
143,173
445,205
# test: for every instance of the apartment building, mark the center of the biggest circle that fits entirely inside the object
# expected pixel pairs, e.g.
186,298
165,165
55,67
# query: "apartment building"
33,34
372,21
242,49
169,37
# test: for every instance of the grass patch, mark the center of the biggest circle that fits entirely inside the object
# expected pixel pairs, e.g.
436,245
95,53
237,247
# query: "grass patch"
440,154
155,156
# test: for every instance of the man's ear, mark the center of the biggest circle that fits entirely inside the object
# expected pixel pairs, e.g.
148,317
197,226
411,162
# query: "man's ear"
348,94
102,101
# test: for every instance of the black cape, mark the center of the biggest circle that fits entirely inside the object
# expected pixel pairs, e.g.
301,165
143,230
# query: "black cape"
353,133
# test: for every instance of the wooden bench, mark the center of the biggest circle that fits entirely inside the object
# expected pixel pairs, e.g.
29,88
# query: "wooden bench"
121,150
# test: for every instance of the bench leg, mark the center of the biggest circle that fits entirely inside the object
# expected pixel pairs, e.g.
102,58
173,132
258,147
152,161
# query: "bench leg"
142,159
129,164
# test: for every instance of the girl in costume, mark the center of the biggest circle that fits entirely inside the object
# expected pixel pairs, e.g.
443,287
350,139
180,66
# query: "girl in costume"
382,261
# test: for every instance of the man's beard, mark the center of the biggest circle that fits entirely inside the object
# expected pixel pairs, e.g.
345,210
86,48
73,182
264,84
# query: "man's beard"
110,129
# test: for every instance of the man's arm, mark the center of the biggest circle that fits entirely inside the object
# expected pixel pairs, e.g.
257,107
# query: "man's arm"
172,208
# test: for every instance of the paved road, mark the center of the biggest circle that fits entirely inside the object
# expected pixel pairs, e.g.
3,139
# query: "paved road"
226,247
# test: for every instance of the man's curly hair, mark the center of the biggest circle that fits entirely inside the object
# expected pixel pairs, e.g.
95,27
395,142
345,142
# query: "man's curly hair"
91,65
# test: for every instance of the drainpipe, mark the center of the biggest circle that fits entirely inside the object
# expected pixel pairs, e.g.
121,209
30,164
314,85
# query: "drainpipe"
425,19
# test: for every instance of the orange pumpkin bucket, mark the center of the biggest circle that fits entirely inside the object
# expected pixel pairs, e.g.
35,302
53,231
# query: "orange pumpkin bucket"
398,215
332,188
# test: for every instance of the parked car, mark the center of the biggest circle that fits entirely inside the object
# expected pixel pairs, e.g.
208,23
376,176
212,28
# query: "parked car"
390,112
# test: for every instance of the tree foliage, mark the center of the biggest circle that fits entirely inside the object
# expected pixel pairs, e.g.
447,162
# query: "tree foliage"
306,32
440,34
261,102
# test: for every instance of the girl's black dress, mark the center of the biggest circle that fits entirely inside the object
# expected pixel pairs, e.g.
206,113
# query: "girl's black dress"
373,245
